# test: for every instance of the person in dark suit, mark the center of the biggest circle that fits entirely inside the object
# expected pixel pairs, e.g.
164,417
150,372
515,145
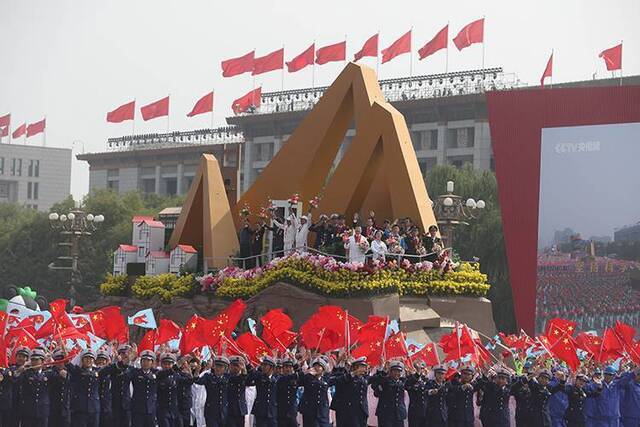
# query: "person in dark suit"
460,399
416,386
60,394
437,389
144,399
389,387
287,388
216,383
496,392
120,387
22,356
432,243
106,417
185,396
540,392
238,380
169,379
265,406
355,384
340,395
34,391
316,383
85,386
6,396
577,394
246,246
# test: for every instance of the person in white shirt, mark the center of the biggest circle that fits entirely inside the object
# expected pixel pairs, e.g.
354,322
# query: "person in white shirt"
378,247
290,228
302,233
357,246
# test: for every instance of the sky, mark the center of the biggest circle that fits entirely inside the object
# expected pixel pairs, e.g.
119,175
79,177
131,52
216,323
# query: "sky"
72,61
589,188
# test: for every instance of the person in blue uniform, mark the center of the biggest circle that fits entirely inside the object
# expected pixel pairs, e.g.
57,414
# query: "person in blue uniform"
85,391
496,392
355,384
6,396
541,390
216,383
238,380
339,399
34,394
389,387
630,403
59,393
265,405
460,398
286,392
144,399
169,379
316,382
577,393
522,394
558,402
185,396
102,360
22,356
416,386
120,387
437,389
607,403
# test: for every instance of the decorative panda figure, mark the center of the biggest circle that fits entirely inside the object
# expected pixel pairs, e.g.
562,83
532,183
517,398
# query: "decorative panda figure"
20,303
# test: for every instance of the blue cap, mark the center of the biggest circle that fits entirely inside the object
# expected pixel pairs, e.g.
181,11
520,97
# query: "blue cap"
528,364
610,370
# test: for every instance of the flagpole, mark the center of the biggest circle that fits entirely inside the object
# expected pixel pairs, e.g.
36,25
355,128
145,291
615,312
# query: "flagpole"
313,66
411,52
378,57
133,122
213,94
483,39
282,74
168,112
621,62
44,133
446,61
345,50
551,76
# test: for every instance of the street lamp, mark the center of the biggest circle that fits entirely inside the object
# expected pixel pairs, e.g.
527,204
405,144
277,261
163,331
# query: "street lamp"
452,210
72,226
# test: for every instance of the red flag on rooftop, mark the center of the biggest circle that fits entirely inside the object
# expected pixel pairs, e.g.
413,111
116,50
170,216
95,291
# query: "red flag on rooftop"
124,112
156,109
203,105
251,99
331,53
548,70
436,43
36,128
470,34
370,48
19,131
234,66
270,62
612,57
398,47
5,120
302,60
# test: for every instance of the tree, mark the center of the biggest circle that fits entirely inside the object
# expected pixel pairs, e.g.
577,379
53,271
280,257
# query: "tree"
483,238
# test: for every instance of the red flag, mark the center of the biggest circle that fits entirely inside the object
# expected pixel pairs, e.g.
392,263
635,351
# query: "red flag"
36,128
58,307
97,321
470,34
253,346
612,57
548,70
398,47
148,341
276,329
204,105
375,328
4,131
558,328
592,344
302,60
122,113
251,99
192,335
242,64
270,62
436,43
25,339
5,120
223,323
167,331
115,327
395,346
159,108
565,350
457,344
612,347
19,131
371,349
428,354
26,324
625,332
325,330
370,48
334,52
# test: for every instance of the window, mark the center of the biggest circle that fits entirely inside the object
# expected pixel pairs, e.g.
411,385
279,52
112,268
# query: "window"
433,139
113,173
36,168
13,167
113,185
141,252
29,190
19,168
1,165
227,182
30,168
35,191
452,138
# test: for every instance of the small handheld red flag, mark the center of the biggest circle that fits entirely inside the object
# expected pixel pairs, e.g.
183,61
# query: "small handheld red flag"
370,48
156,109
435,44
612,57
302,60
204,105
272,61
548,70
470,34
122,113
398,47
334,52
234,66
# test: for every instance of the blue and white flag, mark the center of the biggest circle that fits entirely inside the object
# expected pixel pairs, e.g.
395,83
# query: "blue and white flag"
144,319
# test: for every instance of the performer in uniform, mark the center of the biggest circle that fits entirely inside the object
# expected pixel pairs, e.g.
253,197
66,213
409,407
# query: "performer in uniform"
389,387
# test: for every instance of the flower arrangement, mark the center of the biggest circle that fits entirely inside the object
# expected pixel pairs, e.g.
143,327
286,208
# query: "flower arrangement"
363,245
393,246
315,202
114,285
294,199
327,276
245,211
264,213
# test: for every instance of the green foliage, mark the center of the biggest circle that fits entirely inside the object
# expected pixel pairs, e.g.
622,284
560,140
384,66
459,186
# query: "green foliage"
114,285
28,245
483,238
166,286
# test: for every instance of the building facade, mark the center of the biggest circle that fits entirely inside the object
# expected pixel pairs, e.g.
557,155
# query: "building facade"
33,176
164,164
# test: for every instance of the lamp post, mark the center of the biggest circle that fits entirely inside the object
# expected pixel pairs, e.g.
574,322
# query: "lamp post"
72,227
452,210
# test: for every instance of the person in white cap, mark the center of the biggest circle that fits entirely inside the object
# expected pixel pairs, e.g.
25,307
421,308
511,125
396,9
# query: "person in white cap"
316,383
302,233
169,379
265,406
289,228
85,386
145,390
392,409
216,408
354,409
357,245
33,384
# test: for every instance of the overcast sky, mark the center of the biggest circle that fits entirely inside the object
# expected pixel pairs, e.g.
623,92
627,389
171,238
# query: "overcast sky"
592,190
75,60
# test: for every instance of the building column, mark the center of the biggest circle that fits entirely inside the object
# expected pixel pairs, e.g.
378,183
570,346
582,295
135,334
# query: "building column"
179,176
158,173
246,164
442,142
481,146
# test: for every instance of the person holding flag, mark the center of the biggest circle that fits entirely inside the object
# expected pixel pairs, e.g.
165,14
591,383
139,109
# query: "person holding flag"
416,386
355,405
437,390
389,387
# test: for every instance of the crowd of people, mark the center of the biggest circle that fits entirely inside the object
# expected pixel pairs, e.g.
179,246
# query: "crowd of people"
593,299
353,241
119,387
